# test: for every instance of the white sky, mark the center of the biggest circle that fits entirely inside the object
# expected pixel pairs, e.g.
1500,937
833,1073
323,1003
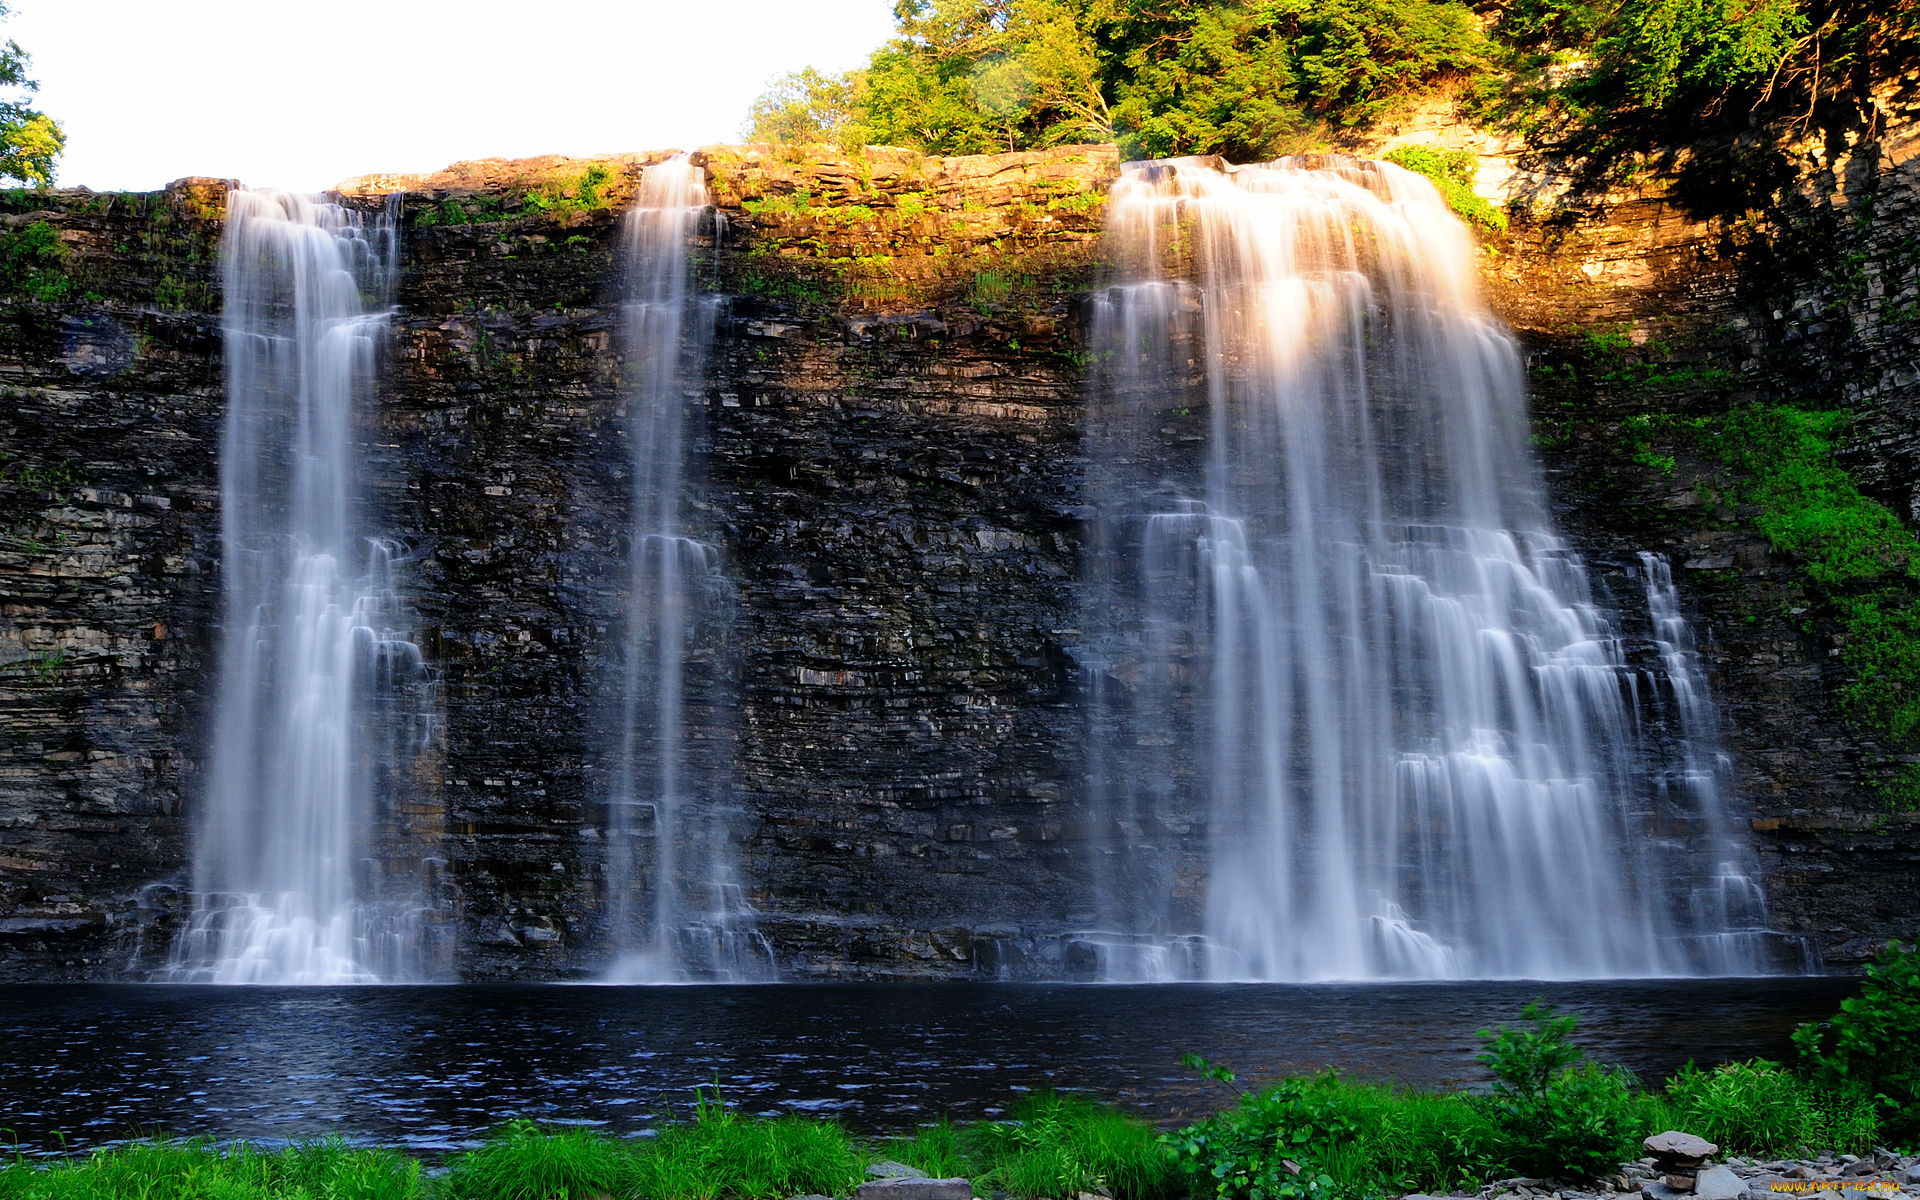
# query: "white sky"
299,95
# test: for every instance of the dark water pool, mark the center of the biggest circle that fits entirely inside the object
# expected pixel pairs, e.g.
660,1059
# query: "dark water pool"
429,1067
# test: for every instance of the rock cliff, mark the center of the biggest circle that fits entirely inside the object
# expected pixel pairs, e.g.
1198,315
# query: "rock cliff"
891,442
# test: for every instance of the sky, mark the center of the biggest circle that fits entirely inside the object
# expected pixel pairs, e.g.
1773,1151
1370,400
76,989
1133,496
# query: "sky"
303,95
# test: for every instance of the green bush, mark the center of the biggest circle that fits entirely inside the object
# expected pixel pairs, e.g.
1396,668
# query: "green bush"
1325,1137
1872,1045
1556,1115
1759,1107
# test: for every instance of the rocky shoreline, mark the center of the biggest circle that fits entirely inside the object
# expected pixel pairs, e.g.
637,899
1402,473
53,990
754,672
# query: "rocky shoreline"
1882,1173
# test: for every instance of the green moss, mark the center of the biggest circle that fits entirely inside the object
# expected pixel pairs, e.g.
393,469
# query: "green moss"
1863,560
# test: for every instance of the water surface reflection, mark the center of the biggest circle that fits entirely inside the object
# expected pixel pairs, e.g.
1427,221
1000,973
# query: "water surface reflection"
429,1067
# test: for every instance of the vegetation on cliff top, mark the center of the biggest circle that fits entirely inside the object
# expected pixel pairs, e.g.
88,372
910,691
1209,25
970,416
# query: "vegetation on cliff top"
1549,1112
1251,79
30,141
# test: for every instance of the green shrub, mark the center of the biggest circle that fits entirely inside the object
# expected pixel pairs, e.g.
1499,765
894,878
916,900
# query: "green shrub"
1324,1137
32,262
1556,1115
1451,172
1872,1045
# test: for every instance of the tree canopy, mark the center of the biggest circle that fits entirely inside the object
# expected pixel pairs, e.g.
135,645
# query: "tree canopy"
30,141
1251,79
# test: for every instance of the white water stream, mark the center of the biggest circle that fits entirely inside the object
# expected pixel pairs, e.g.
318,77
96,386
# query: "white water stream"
1344,621
319,690
676,907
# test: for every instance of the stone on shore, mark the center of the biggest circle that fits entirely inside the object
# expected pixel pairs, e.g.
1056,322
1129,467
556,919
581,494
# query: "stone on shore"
915,1189
896,1170
1718,1183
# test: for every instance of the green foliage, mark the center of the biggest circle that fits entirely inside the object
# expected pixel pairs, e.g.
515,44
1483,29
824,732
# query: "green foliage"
1059,1146
935,1149
804,107
1556,1114
523,1161
1324,1137
718,1154
1863,560
1872,1045
167,1170
1245,78
1451,172
30,141
583,194
32,262
1637,434
1761,1108
1654,50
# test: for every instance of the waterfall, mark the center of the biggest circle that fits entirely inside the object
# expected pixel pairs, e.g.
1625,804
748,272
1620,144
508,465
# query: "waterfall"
665,822
321,698
1356,711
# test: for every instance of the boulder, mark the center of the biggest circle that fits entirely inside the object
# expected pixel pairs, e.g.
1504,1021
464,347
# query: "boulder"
1676,1149
895,1170
915,1189
1718,1183
1653,1189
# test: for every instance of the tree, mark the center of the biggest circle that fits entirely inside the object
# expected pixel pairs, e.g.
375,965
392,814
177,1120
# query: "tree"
30,141
804,107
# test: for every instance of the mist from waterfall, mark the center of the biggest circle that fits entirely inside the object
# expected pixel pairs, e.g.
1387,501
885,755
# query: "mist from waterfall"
676,907
1337,621
322,700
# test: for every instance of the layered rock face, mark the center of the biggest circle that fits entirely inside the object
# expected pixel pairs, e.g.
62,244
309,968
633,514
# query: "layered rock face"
890,435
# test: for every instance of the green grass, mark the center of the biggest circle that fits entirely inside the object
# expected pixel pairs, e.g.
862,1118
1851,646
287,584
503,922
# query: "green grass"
1761,1108
192,1170
1049,1146
716,1156
523,1161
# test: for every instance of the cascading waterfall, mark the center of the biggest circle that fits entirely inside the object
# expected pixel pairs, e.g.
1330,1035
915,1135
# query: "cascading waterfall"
1326,601
321,698
668,778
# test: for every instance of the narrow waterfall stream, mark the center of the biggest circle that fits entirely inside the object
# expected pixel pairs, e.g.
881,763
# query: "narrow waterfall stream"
676,908
321,697
1358,713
